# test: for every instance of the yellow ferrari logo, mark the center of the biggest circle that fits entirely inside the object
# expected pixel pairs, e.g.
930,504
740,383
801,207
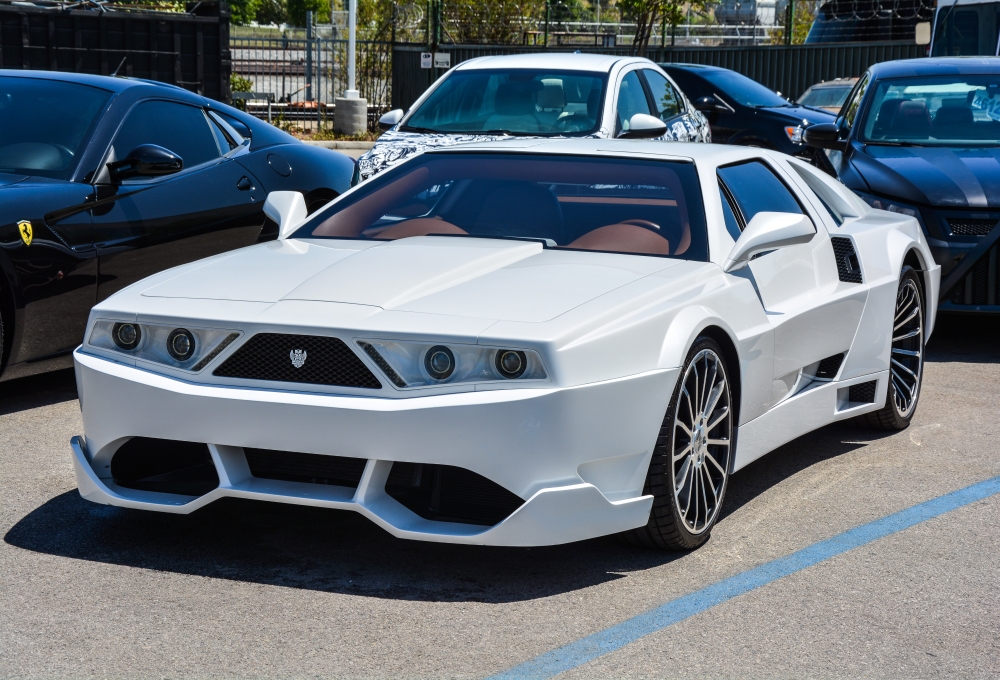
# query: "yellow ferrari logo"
24,226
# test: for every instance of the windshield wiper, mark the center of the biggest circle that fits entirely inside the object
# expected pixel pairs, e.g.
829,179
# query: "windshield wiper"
892,143
547,242
426,131
500,132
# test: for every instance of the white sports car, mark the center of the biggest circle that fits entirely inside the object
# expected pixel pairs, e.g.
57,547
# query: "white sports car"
521,343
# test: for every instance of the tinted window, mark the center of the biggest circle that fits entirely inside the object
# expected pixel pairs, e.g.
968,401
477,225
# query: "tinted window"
665,97
177,127
828,97
732,224
604,204
520,101
757,189
693,86
745,91
851,111
631,100
44,125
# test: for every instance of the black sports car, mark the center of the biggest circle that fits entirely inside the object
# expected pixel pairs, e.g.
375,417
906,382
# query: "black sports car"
104,181
922,137
742,111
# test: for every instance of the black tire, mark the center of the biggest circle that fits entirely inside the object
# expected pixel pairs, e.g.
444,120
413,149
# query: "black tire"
670,526
906,372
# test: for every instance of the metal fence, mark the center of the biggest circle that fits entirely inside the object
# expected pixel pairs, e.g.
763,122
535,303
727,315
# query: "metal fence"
789,70
186,49
304,76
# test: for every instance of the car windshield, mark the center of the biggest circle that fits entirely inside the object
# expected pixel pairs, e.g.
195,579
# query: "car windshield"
573,202
45,124
515,101
950,110
745,91
828,97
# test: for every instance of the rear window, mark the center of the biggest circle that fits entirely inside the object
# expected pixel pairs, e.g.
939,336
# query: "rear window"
581,203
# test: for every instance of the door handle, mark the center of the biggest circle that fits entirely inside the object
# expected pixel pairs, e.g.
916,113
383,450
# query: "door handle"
244,184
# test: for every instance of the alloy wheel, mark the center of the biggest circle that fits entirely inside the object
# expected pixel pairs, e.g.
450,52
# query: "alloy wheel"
906,363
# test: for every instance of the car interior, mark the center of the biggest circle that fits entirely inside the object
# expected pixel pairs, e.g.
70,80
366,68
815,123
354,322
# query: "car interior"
926,114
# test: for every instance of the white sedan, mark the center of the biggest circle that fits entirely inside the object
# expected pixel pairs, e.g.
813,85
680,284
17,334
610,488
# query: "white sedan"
513,344
539,95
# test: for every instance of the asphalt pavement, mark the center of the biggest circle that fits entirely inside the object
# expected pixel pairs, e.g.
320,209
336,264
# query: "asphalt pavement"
247,589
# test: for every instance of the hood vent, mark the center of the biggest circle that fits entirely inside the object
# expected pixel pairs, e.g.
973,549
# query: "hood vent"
969,227
848,266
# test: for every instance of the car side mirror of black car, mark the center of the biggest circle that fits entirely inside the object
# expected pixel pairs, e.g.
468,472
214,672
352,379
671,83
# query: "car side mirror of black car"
145,160
712,104
824,136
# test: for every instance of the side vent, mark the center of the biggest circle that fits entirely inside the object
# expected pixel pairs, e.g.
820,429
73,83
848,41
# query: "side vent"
828,367
848,266
862,393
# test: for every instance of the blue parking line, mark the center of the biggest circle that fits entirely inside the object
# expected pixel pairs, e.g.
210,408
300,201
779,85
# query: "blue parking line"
593,646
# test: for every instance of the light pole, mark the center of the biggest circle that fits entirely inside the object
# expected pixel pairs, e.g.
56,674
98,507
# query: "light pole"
352,35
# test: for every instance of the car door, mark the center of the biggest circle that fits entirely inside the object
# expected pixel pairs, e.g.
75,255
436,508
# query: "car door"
724,124
630,101
147,224
815,314
668,106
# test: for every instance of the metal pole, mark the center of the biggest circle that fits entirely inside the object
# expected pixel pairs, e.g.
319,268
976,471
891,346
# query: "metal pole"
352,35
547,8
790,23
309,56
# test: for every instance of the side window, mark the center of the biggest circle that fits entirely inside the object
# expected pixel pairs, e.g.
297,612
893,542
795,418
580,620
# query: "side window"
756,188
854,102
631,100
179,128
665,98
732,224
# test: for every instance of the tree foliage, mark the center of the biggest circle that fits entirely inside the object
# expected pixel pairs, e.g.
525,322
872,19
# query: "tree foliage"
649,15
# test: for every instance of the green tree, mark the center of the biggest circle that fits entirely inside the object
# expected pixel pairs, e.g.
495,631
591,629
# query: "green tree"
649,15
243,11
297,11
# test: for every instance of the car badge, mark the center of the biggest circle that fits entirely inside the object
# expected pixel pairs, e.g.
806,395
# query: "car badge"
24,226
298,357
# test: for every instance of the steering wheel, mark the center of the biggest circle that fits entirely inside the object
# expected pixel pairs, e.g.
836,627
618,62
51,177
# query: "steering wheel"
576,119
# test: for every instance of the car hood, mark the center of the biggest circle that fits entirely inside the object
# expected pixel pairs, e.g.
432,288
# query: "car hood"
936,176
395,146
469,277
797,114
6,179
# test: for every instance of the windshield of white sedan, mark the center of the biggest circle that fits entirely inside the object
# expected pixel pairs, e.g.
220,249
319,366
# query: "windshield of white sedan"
950,110
581,203
512,101
44,124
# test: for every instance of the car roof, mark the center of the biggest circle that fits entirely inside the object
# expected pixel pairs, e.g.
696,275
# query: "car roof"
564,61
118,84
692,67
715,154
838,82
935,66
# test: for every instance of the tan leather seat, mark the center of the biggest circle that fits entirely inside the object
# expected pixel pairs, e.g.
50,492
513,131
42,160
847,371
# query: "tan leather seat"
420,226
623,238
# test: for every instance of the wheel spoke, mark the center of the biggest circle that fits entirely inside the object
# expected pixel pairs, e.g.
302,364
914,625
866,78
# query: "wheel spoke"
904,368
718,442
714,397
685,451
715,423
905,336
683,474
907,352
711,485
906,320
711,458
684,427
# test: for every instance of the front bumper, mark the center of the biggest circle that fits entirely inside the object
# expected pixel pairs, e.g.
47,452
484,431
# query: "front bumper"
577,456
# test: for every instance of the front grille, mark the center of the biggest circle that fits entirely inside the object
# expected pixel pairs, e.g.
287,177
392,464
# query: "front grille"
310,468
450,494
164,465
320,361
862,393
970,227
981,286
848,266
828,367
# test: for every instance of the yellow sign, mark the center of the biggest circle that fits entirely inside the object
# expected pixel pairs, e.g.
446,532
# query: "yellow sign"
24,226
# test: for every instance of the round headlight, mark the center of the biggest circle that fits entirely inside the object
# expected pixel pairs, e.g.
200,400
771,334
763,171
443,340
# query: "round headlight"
126,335
439,362
180,344
511,363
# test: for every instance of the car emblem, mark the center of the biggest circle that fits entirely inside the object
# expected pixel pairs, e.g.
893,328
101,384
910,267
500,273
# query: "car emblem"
24,226
298,357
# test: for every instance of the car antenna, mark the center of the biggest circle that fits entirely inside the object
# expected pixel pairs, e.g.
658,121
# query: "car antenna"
115,74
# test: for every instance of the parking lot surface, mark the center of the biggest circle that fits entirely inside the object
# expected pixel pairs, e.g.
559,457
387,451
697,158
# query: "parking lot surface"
250,589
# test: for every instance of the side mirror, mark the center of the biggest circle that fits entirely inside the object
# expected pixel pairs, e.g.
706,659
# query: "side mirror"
824,136
712,104
145,160
644,126
288,209
390,119
769,231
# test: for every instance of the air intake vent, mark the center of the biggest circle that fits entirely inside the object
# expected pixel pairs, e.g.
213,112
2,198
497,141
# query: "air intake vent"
981,286
165,466
828,367
312,359
848,267
450,494
970,227
862,393
305,467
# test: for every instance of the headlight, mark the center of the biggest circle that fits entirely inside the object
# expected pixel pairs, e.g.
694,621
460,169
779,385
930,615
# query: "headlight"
891,206
420,364
191,349
794,133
